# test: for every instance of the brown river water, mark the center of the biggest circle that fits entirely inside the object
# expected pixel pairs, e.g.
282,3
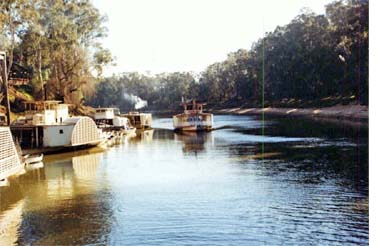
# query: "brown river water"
301,183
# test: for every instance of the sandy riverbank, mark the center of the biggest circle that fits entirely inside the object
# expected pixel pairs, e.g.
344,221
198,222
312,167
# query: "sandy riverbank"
343,112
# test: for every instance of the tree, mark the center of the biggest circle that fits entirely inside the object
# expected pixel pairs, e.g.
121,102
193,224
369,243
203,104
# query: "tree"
59,40
310,59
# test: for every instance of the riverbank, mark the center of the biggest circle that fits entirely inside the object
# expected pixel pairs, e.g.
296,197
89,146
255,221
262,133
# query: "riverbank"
339,112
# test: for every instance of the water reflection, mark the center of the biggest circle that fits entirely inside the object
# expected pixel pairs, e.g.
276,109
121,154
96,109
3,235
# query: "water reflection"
143,136
300,183
86,166
34,166
11,207
64,198
323,149
194,142
10,221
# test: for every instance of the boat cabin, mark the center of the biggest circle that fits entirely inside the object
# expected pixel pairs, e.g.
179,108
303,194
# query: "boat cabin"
192,106
111,118
193,118
140,120
44,113
106,113
47,124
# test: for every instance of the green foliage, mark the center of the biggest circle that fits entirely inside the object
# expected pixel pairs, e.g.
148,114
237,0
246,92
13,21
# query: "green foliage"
58,39
162,91
312,58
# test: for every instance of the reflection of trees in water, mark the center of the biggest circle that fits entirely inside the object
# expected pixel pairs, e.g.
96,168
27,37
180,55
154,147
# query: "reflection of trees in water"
341,151
82,220
12,202
296,127
68,203
315,163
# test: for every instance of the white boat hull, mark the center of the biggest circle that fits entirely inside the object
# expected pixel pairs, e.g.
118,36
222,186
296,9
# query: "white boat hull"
33,159
193,122
34,166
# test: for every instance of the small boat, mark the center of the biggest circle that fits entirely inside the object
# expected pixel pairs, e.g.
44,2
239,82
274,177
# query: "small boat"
34,166
33,158
4,182
193,118
105,137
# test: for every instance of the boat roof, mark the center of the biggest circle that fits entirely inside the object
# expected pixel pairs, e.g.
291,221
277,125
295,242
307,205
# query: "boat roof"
192,101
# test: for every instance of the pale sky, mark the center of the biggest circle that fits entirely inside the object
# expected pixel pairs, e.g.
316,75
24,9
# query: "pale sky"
188,35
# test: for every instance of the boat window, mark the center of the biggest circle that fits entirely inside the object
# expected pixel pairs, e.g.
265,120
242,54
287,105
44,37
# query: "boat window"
60,131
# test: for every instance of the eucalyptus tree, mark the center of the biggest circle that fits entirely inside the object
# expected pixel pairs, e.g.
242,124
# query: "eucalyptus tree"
350,30
59,39
312,58
15,17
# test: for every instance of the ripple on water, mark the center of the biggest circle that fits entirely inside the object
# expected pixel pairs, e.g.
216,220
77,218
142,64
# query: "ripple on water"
196,190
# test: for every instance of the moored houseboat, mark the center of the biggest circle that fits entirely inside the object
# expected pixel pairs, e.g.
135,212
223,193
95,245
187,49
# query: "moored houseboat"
47,127
111,119
140,120
193,118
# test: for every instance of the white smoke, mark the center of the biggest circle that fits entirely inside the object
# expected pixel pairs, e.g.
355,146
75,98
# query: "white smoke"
137,101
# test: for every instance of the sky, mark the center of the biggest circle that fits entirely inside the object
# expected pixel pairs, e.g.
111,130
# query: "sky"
154,36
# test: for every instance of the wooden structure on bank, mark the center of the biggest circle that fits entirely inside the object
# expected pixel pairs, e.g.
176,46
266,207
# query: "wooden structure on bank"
20,75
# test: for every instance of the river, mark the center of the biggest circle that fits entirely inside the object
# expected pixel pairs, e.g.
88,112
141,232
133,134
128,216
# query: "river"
301,183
